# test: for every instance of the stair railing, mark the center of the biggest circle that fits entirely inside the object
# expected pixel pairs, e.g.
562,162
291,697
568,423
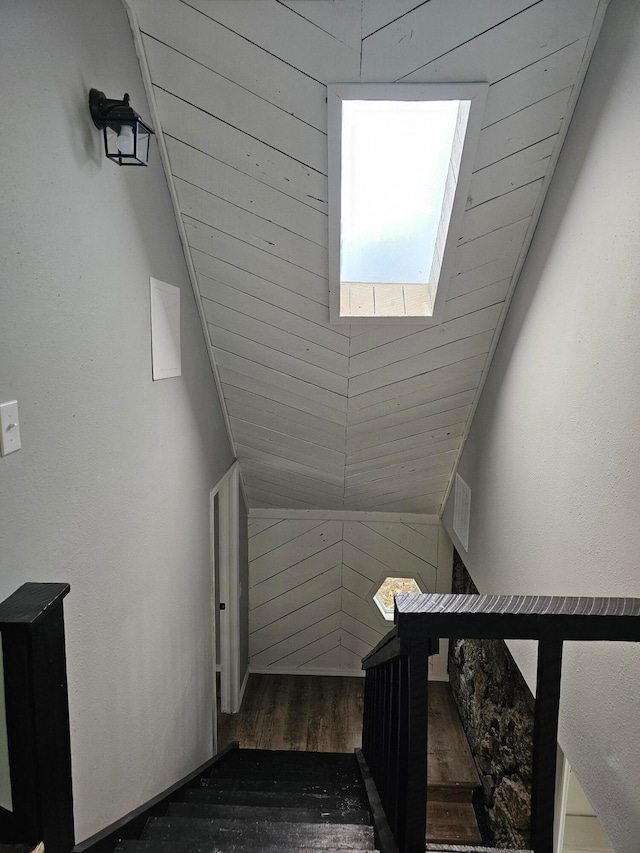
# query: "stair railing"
394,739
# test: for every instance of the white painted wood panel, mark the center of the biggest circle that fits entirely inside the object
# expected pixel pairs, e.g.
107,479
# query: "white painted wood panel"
422,363
286,420
408,402
417,384
273,476
340,20
223,339
521,129
369,469
405,445
498,212
224,257
246,192
312,596
407,416
428,32
424,341
274,337
237,91
535,33
377,14
423,467
285,465
275,315
272,239
206,133
199,37
276,29
235,105
237,384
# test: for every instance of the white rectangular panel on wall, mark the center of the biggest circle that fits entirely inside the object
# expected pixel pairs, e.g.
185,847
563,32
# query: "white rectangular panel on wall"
312,583
462,511
165,330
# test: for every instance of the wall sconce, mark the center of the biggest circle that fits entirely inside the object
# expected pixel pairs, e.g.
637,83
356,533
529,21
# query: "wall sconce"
126,136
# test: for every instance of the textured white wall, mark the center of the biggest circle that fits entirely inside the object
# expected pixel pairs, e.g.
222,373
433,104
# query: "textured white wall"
553,456
110,490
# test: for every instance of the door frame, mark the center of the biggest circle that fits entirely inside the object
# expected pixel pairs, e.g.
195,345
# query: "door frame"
226,574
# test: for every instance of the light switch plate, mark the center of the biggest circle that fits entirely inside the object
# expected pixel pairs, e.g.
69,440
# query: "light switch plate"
9,428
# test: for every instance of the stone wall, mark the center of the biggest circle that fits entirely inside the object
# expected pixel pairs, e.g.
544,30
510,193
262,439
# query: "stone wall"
496,708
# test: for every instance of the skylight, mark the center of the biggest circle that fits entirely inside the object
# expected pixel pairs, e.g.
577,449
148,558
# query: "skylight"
395,159
398,151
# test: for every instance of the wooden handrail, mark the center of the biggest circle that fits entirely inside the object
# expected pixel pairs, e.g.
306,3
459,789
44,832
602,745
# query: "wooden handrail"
394,740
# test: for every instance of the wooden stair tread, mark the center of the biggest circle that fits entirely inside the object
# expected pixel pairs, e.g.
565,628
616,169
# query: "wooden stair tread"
155,846
450,765
350,799
273,814
259,832
452,823
326,788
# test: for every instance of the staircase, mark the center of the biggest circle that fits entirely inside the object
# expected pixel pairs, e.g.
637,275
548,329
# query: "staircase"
452,778
263,801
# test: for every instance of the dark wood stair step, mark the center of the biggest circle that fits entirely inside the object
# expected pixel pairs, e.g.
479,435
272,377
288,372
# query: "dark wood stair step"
155,846
465,848
259,832
451,771
294,757
276,771
452,823
313,786
268,813
278,799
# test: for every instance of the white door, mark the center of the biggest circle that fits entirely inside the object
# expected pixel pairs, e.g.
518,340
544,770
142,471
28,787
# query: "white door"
226,587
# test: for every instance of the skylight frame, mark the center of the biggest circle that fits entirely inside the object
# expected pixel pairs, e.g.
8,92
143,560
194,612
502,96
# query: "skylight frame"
475,94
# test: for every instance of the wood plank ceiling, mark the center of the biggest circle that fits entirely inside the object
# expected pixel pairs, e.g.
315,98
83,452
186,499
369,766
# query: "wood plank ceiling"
369,417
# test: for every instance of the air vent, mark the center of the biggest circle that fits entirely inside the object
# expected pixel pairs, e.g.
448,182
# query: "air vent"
461,511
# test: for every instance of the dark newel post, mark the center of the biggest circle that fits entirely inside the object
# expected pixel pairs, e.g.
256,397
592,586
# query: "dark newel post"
416,799
32,626
545,742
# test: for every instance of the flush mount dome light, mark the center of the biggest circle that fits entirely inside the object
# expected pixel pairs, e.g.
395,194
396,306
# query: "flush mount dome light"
391,587
126,135
400,162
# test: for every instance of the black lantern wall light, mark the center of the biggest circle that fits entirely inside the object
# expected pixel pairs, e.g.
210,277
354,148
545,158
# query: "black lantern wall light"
126,135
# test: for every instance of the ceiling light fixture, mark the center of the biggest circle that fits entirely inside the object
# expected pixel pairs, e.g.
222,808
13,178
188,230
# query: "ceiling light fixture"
126,135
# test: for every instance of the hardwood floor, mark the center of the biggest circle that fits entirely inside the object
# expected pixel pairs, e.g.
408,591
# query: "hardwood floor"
324,714
299,712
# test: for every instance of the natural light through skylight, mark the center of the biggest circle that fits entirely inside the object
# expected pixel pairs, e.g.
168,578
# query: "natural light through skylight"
395,159
400,165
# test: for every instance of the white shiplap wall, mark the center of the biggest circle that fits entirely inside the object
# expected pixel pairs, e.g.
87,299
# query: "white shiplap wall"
312,578
370,417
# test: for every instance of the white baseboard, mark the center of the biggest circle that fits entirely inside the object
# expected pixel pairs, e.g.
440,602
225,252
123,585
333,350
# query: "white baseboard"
347,673
274,670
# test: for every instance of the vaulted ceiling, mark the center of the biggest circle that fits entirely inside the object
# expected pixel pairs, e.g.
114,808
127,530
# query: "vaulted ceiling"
368,417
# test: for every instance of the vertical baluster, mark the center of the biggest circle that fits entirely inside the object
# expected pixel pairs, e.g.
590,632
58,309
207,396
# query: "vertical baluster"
382,743
398,827
366,714
545,744
379,724
392,796
416,798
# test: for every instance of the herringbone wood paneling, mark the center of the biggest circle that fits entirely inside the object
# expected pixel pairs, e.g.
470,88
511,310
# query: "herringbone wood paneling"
368,417
312,582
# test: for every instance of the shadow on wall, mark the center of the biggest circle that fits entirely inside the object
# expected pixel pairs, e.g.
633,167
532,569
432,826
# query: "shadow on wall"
496,708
